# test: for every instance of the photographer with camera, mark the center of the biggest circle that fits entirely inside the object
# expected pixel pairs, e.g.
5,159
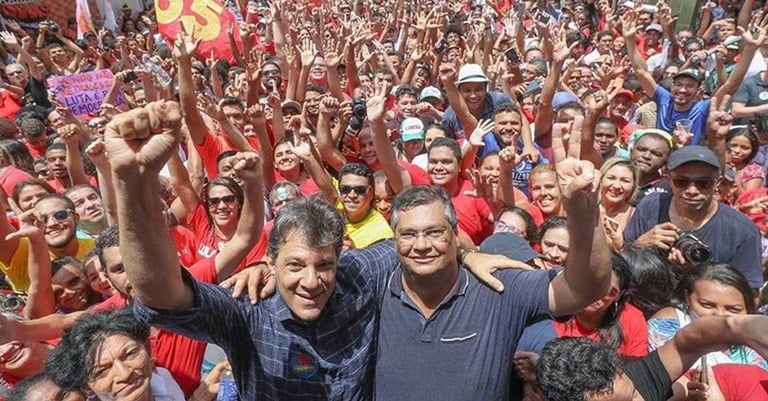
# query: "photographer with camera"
691,224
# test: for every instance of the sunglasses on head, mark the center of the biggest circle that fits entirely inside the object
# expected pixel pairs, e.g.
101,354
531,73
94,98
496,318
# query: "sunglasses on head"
59,215
226,199
359,189
702,184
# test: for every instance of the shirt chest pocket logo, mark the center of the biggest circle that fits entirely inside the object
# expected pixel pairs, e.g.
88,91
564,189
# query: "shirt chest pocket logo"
448,339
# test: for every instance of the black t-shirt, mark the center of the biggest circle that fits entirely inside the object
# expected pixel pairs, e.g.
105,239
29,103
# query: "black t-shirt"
650,377
36,93
660,186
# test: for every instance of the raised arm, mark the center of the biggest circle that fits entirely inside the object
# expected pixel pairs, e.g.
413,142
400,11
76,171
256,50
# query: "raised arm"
95,152
183,49
330,154
139,142
587,273
305,150
629,30
545,116
71,135
397,178
41,301
751,43
247,166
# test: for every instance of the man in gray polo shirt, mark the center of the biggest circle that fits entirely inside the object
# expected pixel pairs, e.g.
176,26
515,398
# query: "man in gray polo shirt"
445,336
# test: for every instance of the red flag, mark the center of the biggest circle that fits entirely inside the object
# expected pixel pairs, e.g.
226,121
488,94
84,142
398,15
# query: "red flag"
208,20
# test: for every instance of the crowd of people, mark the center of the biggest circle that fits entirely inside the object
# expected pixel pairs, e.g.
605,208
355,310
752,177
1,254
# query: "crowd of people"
398,200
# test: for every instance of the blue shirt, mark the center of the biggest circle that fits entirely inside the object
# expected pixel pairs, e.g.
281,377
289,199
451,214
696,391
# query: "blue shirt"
464,350
491,102
276,356
666,117
523,170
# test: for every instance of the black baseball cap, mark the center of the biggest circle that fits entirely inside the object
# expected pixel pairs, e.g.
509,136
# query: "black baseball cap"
693,153
690,73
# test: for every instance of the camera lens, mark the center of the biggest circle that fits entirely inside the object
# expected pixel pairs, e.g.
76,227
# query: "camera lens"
698,255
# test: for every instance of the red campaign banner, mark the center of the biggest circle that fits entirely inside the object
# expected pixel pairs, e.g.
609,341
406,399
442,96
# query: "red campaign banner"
207,20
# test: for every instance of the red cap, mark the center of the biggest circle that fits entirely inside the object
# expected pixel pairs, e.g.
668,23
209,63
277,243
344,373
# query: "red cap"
628,93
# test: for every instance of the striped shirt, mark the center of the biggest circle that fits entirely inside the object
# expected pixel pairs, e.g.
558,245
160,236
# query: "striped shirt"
275,356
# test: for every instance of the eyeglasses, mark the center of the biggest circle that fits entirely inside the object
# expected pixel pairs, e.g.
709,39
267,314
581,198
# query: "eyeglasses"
358,189
432,235
702,184
502,227
59,215
12,73
271,72
97,124
229,199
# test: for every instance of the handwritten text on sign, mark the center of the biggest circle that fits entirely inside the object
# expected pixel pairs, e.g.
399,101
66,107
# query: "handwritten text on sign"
82,93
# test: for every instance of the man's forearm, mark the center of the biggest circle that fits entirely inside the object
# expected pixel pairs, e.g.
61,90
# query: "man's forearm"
588,265
712,334
742,111
145,243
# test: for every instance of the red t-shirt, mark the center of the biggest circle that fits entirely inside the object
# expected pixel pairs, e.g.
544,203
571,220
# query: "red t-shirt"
308,187
633,329
742,382
10,176
417,174
186,245
182,356
59,187
9,105
213,145
35,151
209,243
473,213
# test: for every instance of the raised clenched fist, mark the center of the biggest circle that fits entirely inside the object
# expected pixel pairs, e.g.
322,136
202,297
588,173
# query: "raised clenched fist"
142,140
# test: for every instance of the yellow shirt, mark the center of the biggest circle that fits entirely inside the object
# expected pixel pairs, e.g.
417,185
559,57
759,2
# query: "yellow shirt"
17,274
368,231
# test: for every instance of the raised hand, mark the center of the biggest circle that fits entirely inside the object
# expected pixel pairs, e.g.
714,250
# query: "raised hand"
9,40
142,140
376,105
30,226
579,181
70,133
256,114
97,153
185,46
629,25
447,73
329,105
509,158
302,146
307,52
483,128
719,120
207,105
247,165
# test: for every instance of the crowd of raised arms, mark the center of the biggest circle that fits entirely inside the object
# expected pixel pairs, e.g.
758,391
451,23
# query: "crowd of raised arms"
560,200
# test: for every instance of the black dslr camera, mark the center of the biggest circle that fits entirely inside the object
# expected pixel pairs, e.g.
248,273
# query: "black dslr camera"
359,113
11,302
694,251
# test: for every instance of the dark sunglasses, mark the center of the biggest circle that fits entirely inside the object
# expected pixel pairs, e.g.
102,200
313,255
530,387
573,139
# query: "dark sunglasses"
702,184
226,199
59,215
359,189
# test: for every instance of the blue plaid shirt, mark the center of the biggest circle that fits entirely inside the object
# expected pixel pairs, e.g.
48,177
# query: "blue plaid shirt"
275,356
